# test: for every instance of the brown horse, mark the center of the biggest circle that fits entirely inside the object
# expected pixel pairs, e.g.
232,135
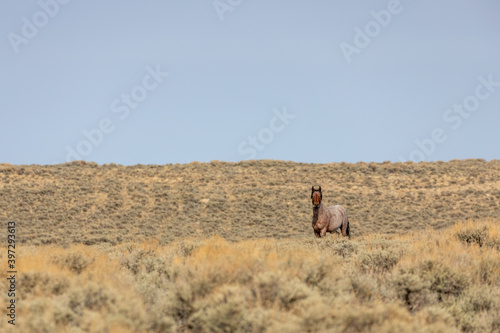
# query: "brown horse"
328,219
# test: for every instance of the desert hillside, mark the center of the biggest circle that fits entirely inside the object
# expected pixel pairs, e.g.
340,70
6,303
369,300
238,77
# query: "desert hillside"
88,203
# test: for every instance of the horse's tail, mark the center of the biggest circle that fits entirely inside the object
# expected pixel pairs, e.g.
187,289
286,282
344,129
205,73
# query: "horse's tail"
345,225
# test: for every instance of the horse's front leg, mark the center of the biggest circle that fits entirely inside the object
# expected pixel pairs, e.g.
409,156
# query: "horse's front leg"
323,232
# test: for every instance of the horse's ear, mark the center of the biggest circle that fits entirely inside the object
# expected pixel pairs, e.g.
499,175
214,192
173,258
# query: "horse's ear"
320,188
313,188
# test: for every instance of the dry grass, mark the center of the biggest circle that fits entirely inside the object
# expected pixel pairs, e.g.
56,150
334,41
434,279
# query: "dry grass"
228,247
424,281
85,203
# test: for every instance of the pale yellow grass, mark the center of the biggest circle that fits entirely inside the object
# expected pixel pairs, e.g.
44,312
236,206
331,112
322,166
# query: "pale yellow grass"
429,281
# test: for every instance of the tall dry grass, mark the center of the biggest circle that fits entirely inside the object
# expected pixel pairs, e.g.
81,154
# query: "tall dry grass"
426,281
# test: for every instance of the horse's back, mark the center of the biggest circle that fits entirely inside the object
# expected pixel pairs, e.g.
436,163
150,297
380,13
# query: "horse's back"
338,210
339,216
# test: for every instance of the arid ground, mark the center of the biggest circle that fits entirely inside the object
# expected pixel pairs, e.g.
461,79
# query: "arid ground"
228,247
90,204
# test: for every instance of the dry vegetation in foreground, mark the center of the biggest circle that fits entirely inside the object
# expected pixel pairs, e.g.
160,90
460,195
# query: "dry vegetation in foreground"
425,281
86,203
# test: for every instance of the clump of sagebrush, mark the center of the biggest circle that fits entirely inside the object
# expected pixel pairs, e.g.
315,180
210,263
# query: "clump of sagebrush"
345,248
475,232
379,260
428,283
75,261
478,309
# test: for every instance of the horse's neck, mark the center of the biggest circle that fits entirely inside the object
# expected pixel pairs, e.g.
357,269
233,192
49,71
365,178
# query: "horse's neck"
317,210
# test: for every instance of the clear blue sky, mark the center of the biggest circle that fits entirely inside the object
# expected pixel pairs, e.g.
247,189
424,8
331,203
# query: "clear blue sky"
307,81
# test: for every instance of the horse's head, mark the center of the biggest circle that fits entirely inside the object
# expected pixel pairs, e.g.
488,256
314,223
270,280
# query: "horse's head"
316,196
